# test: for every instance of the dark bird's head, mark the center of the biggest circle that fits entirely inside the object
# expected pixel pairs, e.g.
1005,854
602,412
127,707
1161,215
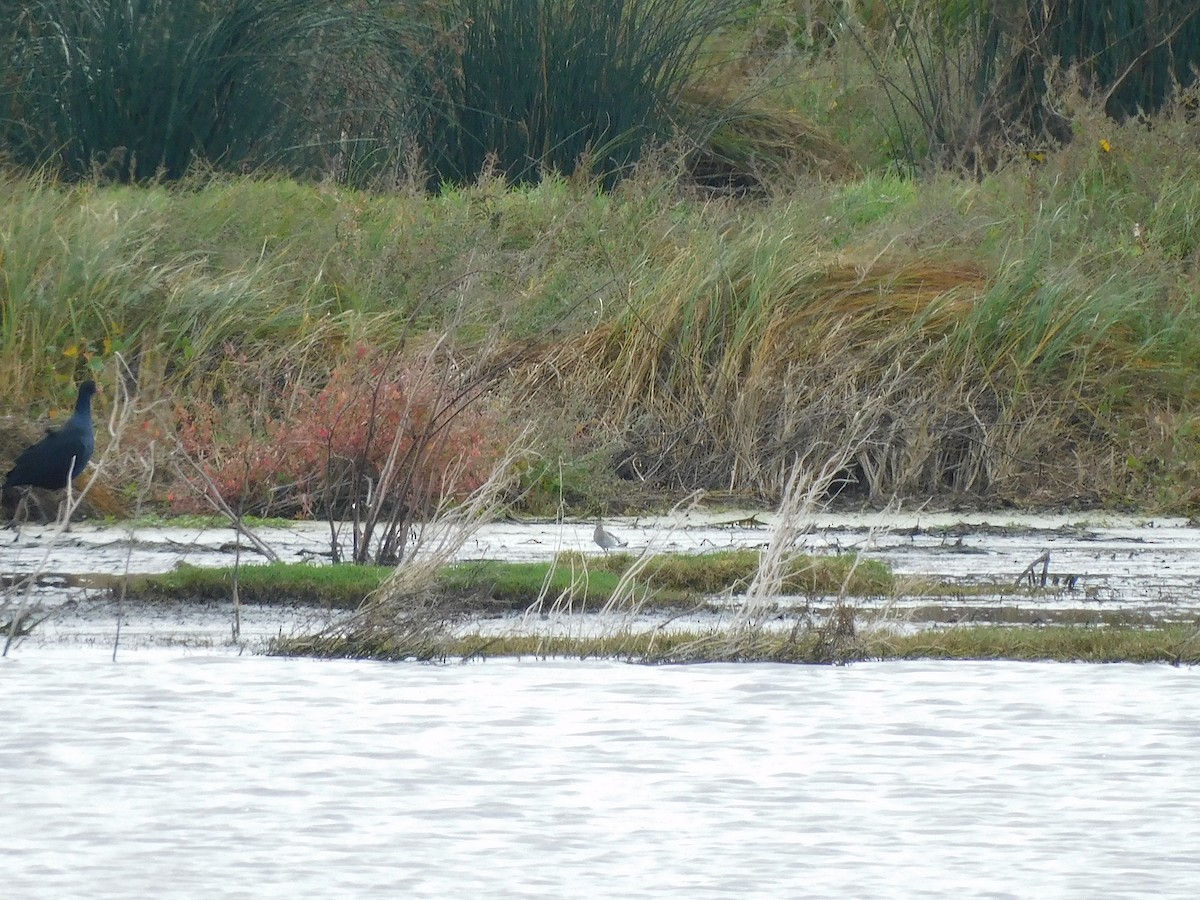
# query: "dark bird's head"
84,402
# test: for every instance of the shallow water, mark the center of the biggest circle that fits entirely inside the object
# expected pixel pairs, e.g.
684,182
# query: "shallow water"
184,776
1125,568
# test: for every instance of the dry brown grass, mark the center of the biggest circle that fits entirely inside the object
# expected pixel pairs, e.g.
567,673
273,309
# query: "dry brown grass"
751,349
749,144
734,371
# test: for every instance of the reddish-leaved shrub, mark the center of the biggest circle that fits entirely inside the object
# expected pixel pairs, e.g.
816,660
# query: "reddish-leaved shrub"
319,451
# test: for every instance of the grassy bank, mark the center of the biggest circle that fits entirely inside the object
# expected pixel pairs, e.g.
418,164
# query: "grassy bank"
804,269
1010,340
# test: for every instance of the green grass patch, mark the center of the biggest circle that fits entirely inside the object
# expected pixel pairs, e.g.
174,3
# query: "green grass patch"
667,580
999,615
1177,645
154,520
339,587
517,585
711,573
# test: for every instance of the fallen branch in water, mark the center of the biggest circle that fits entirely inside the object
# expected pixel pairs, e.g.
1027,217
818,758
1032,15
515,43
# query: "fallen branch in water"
1030,575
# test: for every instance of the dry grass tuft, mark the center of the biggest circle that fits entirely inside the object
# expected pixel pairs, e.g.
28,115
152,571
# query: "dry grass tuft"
729,372
752,144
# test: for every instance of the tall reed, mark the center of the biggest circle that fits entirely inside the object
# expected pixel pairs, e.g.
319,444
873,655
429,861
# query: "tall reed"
553,86
149,88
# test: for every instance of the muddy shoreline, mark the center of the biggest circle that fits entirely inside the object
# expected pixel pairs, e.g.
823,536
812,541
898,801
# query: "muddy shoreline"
1103,569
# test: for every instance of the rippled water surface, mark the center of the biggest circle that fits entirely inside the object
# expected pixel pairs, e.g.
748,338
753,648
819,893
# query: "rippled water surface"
186,776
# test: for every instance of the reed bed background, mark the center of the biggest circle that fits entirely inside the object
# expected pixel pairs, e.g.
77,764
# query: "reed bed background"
731,294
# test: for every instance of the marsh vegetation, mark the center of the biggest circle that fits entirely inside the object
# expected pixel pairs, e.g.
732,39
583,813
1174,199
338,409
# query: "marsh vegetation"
361,269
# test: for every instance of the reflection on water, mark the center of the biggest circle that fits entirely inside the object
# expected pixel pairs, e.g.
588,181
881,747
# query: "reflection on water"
172,776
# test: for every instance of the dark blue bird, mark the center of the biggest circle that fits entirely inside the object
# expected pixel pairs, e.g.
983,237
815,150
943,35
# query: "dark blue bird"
62,454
